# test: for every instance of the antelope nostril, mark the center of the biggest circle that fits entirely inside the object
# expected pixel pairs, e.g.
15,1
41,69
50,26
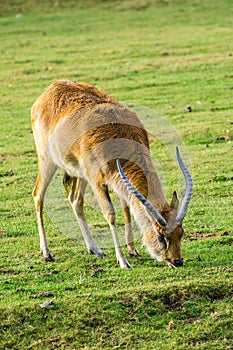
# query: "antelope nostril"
179,263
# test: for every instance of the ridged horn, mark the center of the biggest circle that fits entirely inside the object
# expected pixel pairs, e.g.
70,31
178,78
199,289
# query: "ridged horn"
154,212
188,191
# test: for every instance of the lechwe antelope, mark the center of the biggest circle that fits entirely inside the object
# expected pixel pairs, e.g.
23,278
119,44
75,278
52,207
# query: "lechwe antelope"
98,140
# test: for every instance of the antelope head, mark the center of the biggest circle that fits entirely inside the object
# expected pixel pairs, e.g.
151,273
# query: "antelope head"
163,236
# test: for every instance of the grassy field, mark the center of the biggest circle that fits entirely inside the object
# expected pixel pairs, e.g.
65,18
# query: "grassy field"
163,55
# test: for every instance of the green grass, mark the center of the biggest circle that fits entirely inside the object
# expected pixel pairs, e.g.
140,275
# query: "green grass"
164,55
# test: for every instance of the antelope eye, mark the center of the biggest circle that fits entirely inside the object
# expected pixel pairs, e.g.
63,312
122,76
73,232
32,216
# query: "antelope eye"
162,240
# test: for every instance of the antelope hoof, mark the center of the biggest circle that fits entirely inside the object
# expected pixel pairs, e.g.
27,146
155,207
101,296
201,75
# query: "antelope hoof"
49,258
124,264
97,252
134,253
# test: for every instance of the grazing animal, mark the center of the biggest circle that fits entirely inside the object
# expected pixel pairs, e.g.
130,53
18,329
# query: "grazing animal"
97,140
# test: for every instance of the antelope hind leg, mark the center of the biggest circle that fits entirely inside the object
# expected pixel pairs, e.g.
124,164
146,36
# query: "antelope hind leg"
45,175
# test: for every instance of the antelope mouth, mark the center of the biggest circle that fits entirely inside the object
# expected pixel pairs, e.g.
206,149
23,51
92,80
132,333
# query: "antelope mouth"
170,264
175,264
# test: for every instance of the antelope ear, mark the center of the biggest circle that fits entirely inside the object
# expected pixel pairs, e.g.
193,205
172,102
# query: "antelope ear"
174,202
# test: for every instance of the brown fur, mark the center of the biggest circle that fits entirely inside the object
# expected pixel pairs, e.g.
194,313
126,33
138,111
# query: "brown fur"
65,98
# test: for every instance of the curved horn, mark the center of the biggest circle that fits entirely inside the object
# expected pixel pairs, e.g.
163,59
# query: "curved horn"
156,215
188,191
